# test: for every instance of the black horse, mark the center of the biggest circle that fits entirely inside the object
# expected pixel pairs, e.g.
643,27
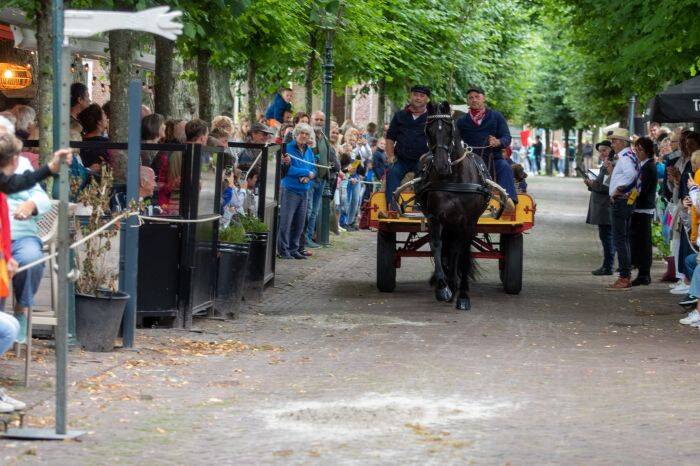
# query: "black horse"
453,194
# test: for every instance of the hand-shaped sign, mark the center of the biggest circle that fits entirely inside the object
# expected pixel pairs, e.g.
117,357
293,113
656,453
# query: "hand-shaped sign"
159,20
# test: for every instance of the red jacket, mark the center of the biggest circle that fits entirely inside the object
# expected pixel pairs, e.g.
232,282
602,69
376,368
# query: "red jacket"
5,228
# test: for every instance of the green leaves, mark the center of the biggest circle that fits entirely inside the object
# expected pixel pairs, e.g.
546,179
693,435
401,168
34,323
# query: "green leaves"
611,50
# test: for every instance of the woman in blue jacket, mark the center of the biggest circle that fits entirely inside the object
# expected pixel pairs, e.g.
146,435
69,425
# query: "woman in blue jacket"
293,193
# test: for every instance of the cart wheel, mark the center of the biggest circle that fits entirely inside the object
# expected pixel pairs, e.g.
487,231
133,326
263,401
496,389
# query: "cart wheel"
386,267
502,262
512,272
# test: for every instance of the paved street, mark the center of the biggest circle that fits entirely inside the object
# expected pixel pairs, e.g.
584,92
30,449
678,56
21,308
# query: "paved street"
327,370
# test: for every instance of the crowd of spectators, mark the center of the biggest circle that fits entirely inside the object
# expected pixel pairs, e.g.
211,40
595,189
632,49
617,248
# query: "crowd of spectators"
646,195
348,163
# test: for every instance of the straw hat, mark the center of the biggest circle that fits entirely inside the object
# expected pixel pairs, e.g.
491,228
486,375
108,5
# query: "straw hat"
619,133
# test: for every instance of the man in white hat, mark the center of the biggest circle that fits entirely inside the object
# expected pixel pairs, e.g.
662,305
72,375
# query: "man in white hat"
623,192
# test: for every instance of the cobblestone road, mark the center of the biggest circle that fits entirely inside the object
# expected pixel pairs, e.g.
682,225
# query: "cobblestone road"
335,372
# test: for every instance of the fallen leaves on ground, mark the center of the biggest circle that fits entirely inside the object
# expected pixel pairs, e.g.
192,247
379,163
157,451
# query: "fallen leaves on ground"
185,347
436,437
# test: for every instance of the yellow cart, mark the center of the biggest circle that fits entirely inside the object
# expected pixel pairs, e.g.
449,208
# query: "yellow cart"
508,248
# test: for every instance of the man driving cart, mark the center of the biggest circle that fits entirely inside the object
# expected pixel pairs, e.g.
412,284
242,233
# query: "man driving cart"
486,131
406,141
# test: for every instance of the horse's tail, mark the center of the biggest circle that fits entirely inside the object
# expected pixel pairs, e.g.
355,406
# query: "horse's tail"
474,271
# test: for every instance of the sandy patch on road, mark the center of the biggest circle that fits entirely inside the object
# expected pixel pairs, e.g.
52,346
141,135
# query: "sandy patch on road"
376,414
348,321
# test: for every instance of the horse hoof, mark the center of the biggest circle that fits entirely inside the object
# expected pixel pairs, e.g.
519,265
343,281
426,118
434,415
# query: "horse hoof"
463,304
443,294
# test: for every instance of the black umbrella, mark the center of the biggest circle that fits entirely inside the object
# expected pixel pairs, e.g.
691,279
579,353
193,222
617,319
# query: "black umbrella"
677,104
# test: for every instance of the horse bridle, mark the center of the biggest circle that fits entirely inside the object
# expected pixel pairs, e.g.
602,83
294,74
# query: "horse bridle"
440,119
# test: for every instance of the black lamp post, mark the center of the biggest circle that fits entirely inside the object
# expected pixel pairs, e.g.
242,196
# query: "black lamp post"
324,221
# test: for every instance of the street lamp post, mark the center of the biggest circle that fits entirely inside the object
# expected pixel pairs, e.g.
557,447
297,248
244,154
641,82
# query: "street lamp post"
323,226
632,111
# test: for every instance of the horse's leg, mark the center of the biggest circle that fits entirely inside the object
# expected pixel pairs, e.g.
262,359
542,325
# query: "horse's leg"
466,262
452,255
442,291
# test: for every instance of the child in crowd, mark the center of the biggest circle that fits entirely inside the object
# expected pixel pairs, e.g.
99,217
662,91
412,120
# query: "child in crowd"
520,176
233,196
343,179
369,181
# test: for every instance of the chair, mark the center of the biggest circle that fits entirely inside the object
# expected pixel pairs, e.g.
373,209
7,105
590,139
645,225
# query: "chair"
48,229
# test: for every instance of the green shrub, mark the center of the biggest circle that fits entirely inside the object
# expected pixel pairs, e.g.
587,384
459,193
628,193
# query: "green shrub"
234,233
252,224
657,239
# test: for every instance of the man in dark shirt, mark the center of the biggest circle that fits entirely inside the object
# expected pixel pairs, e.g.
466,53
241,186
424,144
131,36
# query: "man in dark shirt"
486,130
644,210
406,141
537,152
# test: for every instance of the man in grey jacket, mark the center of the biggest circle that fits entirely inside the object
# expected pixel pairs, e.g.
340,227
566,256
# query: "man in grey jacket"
599,209
325,156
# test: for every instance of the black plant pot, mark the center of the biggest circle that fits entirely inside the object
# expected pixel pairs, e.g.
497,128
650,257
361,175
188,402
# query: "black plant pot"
232,268
98,318
255,275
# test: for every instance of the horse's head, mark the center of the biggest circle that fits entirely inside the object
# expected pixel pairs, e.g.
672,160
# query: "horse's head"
441,135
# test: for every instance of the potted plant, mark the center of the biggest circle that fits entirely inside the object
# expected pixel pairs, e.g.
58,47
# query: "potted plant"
99,307
232,258
255,275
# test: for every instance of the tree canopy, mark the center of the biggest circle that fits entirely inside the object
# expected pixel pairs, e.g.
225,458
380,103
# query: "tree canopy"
551,63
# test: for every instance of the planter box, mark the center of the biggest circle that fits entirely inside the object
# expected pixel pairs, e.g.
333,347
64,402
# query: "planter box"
255,275
232,262
98,318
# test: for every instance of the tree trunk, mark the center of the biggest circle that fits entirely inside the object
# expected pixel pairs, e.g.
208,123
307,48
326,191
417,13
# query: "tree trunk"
222,99
566,151
251,90
381,106
184,99
309,78
594,141
204,84
44,75
163,79
348,105
121,54
121,71
579,147
548,151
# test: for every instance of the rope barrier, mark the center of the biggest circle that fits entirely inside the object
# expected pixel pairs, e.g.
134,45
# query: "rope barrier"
36,262
307,162
252,165
211,218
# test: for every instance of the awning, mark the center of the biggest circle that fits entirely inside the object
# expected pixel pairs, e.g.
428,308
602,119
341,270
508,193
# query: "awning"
677,104
5,32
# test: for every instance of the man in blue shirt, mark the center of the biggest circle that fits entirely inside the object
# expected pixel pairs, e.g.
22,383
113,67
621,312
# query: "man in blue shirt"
406,141
486,130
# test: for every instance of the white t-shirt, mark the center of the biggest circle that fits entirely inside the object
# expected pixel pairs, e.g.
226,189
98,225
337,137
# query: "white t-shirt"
625,171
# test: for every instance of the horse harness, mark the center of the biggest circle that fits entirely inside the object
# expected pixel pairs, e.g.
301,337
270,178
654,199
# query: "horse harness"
446,186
